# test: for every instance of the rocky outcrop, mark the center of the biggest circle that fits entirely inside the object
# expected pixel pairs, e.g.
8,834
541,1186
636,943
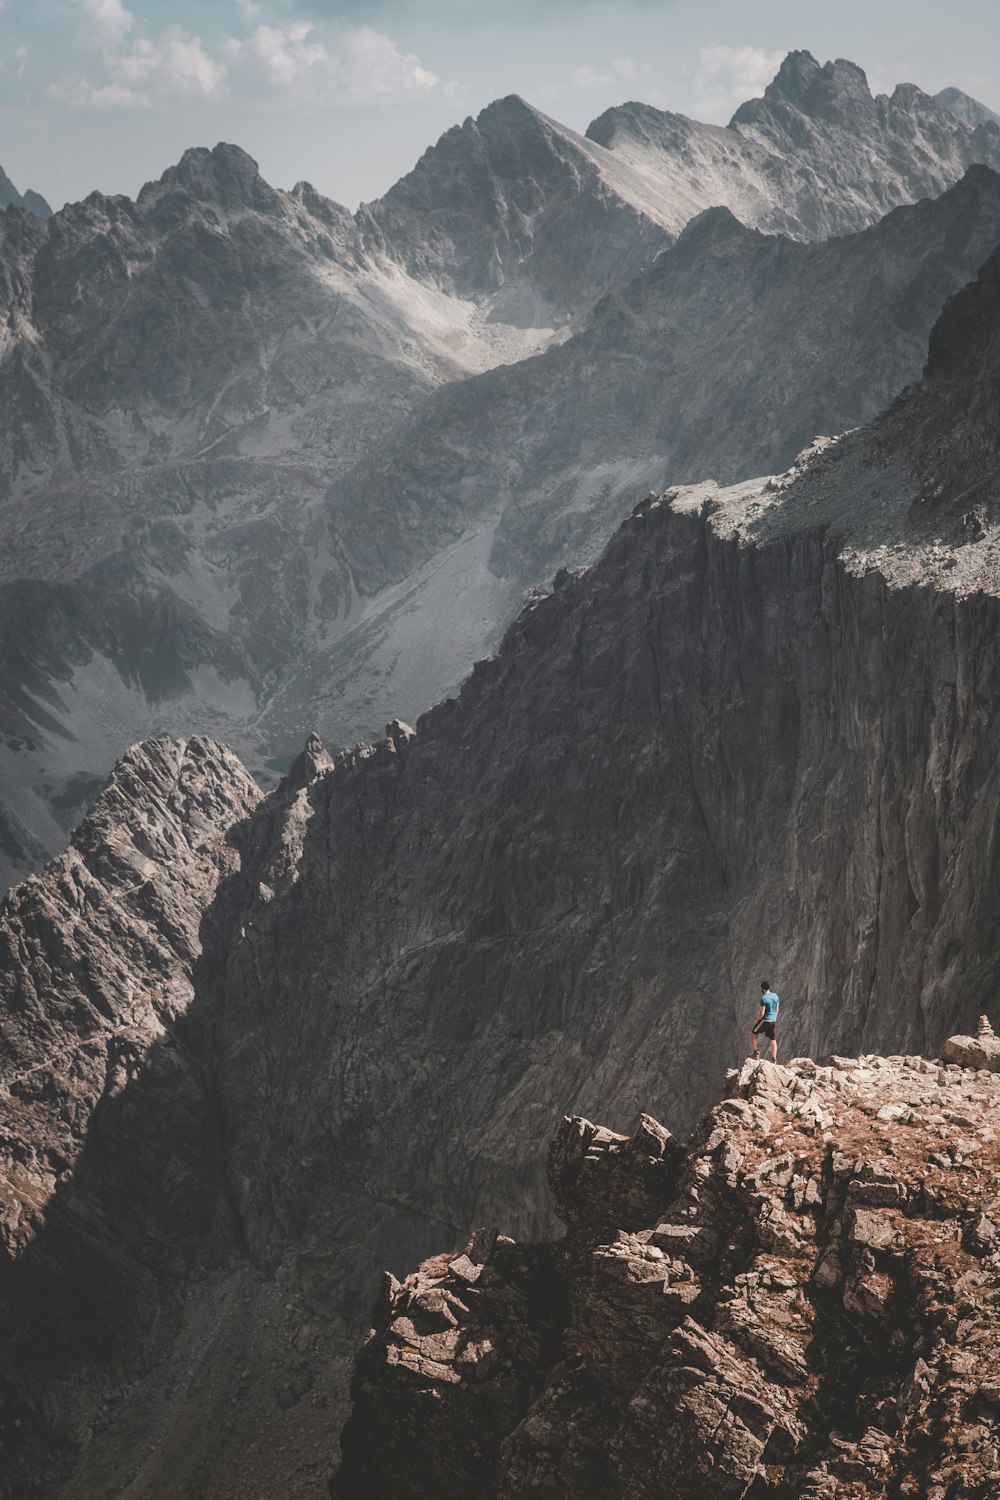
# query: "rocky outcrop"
800,1304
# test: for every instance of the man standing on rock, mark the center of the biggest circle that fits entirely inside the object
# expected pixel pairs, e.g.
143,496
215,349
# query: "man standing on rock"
767,1021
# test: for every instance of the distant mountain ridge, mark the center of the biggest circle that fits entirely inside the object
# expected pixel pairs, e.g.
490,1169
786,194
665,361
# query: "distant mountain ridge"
965,108
226,493
30,200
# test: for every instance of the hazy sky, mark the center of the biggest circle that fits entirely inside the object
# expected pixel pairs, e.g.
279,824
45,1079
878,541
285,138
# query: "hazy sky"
347,93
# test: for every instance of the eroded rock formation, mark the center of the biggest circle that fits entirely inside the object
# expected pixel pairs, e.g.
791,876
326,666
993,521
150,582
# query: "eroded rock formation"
801,1304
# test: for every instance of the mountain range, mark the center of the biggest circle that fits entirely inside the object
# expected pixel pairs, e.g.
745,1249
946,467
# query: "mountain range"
278,464
257,1047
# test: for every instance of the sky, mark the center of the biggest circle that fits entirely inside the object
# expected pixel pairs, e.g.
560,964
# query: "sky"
347,93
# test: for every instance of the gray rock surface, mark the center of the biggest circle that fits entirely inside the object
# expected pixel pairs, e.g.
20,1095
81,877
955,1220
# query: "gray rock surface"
190,376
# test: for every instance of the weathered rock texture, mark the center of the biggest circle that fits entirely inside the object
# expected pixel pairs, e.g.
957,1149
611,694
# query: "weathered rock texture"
186,380
801,1304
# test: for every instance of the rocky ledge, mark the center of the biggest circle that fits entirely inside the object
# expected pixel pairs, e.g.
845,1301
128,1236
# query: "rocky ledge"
803,1302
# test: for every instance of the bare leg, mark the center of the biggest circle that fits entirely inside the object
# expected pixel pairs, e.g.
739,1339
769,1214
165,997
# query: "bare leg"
774,1051
753,1045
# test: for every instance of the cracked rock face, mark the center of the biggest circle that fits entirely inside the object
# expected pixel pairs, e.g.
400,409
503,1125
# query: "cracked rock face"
800,1304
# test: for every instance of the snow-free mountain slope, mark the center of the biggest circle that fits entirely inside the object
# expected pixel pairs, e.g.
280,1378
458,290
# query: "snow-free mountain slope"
514,200
817,155
787,340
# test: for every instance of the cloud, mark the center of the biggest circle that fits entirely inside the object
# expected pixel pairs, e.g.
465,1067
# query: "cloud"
111,21
621,70
294,64
455,12
724,77
174,66
298,64
619,75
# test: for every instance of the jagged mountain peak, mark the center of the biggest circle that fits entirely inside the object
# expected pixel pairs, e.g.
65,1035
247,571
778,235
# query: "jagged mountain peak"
226,177
837,91
794,77
970,111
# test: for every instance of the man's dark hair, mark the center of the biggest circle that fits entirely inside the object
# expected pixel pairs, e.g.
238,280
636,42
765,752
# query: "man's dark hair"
765,984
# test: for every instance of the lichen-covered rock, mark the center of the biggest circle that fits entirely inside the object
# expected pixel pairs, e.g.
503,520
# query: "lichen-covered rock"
852,1351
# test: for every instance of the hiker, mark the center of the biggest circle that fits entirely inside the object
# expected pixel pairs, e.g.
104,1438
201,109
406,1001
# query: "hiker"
767,1020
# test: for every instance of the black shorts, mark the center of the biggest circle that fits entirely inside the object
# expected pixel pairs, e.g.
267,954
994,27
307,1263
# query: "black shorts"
766,1028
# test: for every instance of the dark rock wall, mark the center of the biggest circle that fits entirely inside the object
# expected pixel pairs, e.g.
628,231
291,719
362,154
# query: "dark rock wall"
701,762
696,764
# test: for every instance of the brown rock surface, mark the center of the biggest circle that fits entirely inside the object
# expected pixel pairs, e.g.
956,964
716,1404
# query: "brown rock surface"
809,1311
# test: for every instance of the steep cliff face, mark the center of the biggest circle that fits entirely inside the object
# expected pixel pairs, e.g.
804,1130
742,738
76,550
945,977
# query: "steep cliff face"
733,744
799,1305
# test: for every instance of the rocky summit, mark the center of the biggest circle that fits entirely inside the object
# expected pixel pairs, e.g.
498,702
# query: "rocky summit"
799,1303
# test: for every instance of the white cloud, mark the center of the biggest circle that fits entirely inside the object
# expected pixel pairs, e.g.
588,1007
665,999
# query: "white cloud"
174,66
621,70
112,21
298,64
619,74
727,76
293,64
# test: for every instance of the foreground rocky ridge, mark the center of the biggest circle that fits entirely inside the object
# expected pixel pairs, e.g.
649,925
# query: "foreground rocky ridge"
214,514
800,1304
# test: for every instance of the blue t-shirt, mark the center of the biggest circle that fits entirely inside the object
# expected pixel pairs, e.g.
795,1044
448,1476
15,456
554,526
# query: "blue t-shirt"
769,1001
